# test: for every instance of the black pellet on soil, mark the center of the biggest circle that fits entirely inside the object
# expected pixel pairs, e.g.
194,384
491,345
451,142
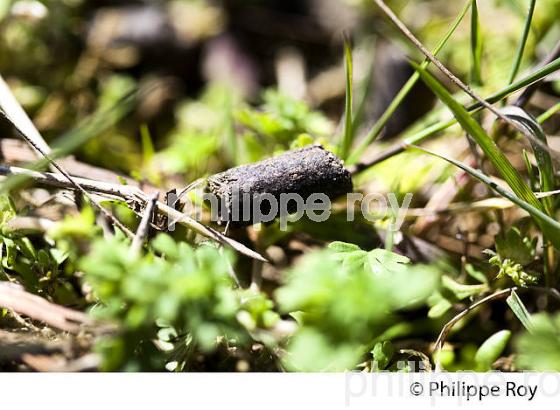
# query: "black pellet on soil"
303,171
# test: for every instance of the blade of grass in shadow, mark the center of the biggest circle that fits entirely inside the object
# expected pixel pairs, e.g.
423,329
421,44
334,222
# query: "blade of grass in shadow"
476,45
530,172
379,125
550,226
522,42
364,90
348,135
542,156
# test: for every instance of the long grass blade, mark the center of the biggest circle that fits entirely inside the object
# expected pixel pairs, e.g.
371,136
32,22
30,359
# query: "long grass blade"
364,90
426,133
522,41
548,113
493,98
494,154
476,45
348,135
379,125
537,75
549,225
475,107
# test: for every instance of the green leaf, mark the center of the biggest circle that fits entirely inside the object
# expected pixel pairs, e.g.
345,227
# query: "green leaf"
439,306
512,246
519,309
7,209
475,274
382,260
26,247
340,247
165,244
9,260
43,259
461,291
310,351
376,261
148,150
346,300
189,289
491,349
540,349
382,354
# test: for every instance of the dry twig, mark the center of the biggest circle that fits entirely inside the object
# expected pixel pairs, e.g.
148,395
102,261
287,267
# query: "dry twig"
144,226
130,194
500,294
15,298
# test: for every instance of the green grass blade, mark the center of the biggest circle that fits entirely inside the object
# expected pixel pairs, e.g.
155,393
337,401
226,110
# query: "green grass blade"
493,98
529,166
476,45
550,226
529,202
348,135
148,150
519,309
522,42
379,125
545,166
494,154
548,113
535,76
423,135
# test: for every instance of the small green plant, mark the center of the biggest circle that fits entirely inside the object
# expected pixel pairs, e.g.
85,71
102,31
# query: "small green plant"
184,303
539,349
282,119
345,297
188,290
514,253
